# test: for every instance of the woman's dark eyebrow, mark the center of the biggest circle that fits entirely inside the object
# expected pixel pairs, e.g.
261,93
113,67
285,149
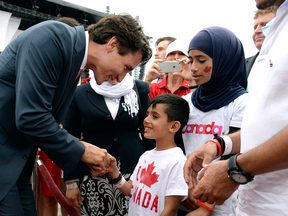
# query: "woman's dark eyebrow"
190,57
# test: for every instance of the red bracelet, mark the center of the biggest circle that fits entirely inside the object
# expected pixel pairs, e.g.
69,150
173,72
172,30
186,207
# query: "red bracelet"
219,148
205,206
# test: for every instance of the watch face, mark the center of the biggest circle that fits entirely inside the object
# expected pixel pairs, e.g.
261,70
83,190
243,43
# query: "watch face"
238,178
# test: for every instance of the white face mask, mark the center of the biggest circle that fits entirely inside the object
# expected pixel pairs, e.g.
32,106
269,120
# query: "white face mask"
266,28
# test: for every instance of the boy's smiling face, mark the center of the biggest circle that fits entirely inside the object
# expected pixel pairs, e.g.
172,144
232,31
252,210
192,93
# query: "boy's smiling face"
156,125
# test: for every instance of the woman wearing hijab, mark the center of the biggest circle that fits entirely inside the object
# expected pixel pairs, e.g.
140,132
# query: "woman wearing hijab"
106,115
217,106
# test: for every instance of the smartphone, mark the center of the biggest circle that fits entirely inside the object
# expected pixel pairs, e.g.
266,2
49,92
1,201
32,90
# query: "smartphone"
170,66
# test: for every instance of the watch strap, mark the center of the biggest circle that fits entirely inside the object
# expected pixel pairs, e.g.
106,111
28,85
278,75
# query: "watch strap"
232,165
114,181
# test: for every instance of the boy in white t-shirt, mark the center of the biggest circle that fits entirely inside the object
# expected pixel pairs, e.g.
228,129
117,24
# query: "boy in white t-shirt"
157,185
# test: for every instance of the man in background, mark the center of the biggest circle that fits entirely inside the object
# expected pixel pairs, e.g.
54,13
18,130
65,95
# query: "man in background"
174,84
153,74
261,17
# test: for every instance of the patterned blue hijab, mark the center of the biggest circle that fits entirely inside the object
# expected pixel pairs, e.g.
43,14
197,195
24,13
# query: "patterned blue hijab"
228,80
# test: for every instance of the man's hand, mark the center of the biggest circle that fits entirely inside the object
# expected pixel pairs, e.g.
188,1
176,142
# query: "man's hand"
214,184
198,160
73,197
153,72
96,158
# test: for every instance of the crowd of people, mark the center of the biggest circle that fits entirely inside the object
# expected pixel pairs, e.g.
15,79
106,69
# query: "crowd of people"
204,140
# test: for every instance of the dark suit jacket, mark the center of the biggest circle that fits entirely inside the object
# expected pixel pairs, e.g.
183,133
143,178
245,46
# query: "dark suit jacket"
38,73
89,114
249,63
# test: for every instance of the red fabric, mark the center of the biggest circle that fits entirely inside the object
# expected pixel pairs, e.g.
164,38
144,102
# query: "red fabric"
54,171
56,192
161,88
87,80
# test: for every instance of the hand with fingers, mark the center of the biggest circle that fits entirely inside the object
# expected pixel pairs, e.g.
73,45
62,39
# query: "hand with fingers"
185,72
215,185
197,160
96,158
153,72
73,197
113,169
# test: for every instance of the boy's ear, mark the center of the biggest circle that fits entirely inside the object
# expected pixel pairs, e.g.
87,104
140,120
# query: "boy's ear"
175,126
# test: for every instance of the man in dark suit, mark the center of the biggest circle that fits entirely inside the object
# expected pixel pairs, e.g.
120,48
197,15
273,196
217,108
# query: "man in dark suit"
39,71
261,17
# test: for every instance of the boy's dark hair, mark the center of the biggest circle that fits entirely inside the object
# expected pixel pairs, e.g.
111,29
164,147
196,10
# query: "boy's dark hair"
128,32
177,109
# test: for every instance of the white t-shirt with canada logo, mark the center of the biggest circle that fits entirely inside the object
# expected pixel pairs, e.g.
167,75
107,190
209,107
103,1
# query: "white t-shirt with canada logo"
158,174
202,126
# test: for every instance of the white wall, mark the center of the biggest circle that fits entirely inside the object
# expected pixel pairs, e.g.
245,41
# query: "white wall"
8,28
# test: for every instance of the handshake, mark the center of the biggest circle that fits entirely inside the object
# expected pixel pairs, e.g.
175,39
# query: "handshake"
97,159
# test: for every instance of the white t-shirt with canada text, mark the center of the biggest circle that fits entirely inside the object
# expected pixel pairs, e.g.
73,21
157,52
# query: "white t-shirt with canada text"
158,174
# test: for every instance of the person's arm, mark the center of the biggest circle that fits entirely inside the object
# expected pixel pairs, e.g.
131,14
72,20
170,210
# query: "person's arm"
201,211
114,173
171,205
153,72
72,123
190,202
203,156
268,157
73,197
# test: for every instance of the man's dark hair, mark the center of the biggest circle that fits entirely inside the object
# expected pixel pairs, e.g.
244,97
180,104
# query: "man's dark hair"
69,21
128,32
177,109
170,39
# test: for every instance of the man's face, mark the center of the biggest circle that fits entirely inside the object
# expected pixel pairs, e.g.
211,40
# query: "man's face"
172,56
109,65
260,21
161,50
115,69
262,4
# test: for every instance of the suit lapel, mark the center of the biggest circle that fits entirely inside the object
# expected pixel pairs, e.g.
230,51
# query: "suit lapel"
121,109
97,100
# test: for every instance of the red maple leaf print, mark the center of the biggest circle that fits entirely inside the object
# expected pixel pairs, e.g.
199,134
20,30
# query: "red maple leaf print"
147,177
